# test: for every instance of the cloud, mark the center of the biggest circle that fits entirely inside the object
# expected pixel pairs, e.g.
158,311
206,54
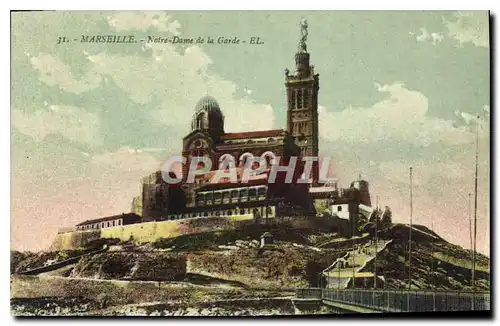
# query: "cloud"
469,27
427,36
161,21
72,122
172,79
400,117
129,160
53,72
383,140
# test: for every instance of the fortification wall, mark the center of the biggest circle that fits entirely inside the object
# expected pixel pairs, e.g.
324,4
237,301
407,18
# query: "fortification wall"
74,240
147,232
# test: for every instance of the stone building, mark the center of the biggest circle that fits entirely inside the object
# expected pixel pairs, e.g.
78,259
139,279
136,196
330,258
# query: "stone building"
207,137
345,203
302,89
109,221
159,199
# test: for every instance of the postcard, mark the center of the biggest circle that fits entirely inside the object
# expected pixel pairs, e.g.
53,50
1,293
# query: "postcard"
250,163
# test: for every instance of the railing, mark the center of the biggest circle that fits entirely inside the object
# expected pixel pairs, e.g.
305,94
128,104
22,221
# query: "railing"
60,264
309,293
406,301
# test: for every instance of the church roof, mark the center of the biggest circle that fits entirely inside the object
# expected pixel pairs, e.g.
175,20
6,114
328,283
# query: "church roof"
253,181
110,218
207,103
253,134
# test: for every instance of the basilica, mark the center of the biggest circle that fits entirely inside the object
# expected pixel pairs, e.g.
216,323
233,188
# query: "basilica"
256,198
207,137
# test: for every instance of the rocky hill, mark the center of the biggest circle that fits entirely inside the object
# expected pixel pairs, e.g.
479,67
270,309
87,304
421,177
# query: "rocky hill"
230,265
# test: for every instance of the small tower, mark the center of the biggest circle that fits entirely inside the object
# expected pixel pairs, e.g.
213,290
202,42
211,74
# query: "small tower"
302,102
266,239
364,191
208,118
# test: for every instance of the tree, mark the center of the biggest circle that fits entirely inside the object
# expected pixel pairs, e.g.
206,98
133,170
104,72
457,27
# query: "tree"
361,222
256,215
321,206
376,215
387,217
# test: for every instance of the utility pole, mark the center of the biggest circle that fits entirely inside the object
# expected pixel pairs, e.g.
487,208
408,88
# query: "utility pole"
353,252
433,268
338,281
470,220
409,236
475,217
376,249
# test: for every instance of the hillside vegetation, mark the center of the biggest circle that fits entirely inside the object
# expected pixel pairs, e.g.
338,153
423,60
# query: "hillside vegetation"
230,264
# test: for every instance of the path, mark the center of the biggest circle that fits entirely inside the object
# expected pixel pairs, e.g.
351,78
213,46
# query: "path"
340,273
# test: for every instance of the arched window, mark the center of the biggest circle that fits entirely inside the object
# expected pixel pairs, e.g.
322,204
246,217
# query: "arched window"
299,99
227,161
234,196
225,197
252,194
200,200
199,120
339,208
217,198
209,198
261,192
269,157
305,98
243,159
244,194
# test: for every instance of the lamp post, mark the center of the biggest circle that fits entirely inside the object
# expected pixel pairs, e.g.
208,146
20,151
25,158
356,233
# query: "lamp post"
353,253
433,269
409,237
376,250
338,280
475,217
470,221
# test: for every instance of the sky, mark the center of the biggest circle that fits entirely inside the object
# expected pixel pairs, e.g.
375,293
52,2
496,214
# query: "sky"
397,89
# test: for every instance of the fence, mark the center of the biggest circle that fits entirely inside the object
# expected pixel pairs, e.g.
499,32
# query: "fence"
308,293
60,264
414,301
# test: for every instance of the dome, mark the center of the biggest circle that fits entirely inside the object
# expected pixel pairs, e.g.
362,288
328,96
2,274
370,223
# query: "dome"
208,116
207,103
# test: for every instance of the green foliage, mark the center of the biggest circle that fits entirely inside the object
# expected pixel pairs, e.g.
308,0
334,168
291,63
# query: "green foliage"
132,265
321,206
22,261
281,266
387,217
376,215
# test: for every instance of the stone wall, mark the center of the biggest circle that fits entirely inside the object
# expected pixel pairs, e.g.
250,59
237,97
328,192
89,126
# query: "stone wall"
146,232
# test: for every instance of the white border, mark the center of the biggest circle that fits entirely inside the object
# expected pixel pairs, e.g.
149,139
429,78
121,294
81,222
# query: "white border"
188,5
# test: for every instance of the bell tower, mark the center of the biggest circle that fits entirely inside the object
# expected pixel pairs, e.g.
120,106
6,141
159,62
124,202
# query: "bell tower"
302,102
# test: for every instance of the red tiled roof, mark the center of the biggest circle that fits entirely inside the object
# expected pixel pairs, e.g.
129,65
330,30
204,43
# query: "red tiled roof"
109,218
260,180
253,134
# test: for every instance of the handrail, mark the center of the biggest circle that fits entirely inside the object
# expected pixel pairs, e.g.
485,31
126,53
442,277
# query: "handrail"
403,300
59,264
